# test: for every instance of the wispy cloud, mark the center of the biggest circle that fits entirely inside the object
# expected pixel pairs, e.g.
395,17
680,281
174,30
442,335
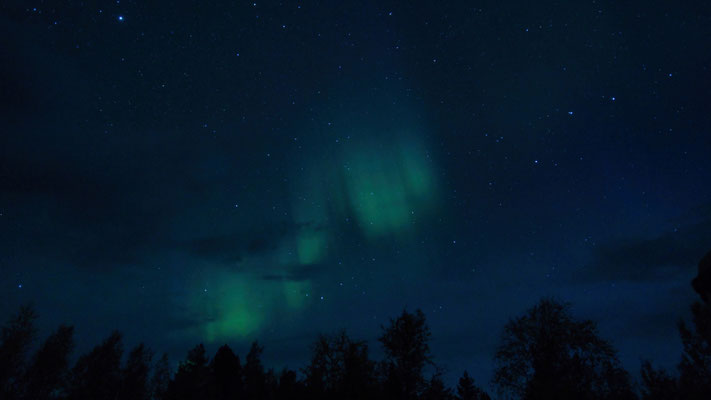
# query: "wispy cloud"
666,255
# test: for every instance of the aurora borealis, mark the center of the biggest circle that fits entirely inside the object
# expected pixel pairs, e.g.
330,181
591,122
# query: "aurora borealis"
190,172
376,190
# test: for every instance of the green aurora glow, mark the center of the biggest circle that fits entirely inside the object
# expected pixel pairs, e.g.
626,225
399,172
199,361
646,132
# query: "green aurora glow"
381,186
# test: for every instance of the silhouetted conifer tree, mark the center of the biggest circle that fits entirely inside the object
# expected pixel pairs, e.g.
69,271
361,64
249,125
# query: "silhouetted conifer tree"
319,373
255,379
406,345
192,380
289,387
695,366
97,375
546,354
160,378
46,376
135,375
340,368
271,384
658,384
436,390
227,373
467,390
15,339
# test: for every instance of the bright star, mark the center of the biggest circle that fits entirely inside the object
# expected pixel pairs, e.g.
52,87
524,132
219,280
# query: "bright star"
120,18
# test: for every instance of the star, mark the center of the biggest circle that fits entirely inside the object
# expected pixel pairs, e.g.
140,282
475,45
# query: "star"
120,18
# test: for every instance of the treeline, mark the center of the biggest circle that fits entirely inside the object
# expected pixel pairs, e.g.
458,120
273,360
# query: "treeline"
544,354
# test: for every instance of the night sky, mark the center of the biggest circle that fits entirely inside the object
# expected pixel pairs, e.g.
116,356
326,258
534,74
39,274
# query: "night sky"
219,172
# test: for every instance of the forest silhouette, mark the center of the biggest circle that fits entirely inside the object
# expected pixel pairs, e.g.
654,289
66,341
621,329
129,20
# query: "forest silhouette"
544,354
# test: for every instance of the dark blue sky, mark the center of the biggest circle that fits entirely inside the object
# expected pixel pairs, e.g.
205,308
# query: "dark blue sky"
220,172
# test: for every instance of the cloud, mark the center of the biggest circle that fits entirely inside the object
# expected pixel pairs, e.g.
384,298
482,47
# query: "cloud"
56,209
667,255
296,274
233,247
